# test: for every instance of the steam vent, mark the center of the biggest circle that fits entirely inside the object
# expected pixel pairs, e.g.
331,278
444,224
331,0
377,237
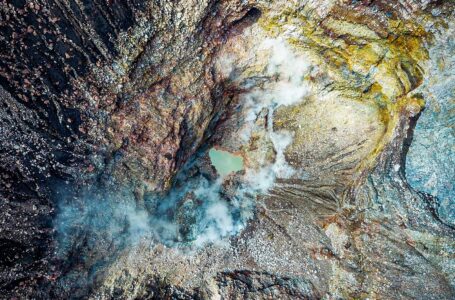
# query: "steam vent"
227,149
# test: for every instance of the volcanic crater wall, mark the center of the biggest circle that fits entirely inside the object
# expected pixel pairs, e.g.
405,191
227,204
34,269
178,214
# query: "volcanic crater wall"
108,110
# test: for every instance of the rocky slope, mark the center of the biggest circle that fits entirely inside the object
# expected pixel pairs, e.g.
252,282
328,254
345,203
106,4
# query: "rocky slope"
342,112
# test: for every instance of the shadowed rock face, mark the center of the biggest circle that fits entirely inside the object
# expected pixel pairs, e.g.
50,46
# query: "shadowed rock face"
108,110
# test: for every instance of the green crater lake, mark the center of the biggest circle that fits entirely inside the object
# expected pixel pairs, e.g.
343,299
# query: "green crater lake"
225,162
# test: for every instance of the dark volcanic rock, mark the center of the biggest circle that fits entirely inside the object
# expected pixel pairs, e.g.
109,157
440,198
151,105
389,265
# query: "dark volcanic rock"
108,109
95,88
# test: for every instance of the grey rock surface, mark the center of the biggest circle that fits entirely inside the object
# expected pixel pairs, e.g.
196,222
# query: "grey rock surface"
342,113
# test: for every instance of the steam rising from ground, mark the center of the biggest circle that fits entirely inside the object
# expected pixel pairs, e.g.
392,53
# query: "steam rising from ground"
197,210
287,86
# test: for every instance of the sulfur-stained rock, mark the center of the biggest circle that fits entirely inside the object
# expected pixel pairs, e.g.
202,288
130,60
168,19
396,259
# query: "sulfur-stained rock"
339,110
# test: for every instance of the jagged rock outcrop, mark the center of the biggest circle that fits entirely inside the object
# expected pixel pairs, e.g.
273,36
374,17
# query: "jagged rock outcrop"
108,109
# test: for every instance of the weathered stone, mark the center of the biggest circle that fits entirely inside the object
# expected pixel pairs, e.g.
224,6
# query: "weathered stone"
109,109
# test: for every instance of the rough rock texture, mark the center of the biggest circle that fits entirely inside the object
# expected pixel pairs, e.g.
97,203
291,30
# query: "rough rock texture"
429,162
342,111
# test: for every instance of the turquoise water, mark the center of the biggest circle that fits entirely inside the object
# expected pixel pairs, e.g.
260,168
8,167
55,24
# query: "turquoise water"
225,162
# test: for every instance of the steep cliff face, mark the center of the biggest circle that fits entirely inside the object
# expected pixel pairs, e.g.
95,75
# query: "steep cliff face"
109,110
98,92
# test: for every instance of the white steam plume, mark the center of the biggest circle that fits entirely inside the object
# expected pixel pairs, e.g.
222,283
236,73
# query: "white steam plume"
207,216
